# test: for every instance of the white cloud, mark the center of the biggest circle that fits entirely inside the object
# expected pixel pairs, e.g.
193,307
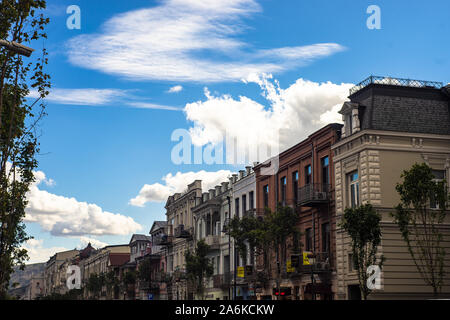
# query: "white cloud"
145,105
158,192
84,241
175,89
84,97
291,114
38,253
62,216
175,39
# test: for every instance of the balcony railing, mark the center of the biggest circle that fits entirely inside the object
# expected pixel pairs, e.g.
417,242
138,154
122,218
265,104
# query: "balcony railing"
182,232
163,240
162,277
213,241
395,82
319,262
223,281
313,194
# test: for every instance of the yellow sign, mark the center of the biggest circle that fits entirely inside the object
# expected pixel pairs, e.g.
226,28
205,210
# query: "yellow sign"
306,258
240,272
289,267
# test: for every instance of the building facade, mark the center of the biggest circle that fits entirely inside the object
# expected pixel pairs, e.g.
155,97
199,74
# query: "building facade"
302,178
180,221
389,125
55,272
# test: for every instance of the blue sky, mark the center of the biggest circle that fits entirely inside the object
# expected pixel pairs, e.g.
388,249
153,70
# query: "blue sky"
279,65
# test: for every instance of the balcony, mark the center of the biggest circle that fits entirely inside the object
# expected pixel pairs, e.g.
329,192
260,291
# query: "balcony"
149,285
250,213
162,277
213,241
313,195
222,281
320,262
163,240
181,232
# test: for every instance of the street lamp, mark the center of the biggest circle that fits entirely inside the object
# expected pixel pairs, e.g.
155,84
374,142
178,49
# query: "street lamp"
17,47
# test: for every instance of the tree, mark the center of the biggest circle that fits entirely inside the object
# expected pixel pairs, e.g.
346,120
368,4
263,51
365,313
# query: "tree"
128,281
199,268
95,284
363,226
419,224
144,273
112,283
20,22
266,235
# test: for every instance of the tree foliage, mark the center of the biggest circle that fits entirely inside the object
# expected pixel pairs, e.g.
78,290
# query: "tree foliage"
95,283
199,268
363,226
21,21
270,232
145,270
419,224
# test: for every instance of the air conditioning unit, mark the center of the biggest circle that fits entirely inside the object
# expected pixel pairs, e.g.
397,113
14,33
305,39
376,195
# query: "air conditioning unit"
321,195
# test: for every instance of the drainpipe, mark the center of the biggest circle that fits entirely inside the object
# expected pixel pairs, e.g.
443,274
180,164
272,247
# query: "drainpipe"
229,248
278,249
313,223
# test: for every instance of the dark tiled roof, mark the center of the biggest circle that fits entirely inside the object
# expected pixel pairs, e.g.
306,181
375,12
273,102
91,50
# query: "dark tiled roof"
118,259
140,237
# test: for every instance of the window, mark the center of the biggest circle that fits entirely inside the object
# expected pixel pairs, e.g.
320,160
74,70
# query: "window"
295,185
308,239
439,175
325,171
251,200
354,189
350,124
351,265
283,190
244,204
236,207
308,174
266,195
326,239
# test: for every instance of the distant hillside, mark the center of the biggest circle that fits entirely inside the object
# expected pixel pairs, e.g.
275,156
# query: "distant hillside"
23,277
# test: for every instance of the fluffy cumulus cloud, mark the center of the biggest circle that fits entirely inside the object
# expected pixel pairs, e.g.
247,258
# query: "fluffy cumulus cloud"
63,216
84,241
38,253
159,192
288,117
173,40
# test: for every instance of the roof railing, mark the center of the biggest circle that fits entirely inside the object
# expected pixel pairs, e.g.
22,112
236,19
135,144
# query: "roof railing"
396,82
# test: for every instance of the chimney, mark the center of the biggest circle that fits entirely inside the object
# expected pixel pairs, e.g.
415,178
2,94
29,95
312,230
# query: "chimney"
217,190
241,174
205,196
224,186
231,179
211,193
235,177
249,170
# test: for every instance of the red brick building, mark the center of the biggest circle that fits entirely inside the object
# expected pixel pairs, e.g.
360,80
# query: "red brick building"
305,182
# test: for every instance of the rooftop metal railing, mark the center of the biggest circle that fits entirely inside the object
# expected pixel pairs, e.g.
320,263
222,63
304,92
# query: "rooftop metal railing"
395,82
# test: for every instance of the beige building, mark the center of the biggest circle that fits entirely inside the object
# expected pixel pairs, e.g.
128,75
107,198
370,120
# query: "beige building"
55,271
389,124
35,289
180,222
103,261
